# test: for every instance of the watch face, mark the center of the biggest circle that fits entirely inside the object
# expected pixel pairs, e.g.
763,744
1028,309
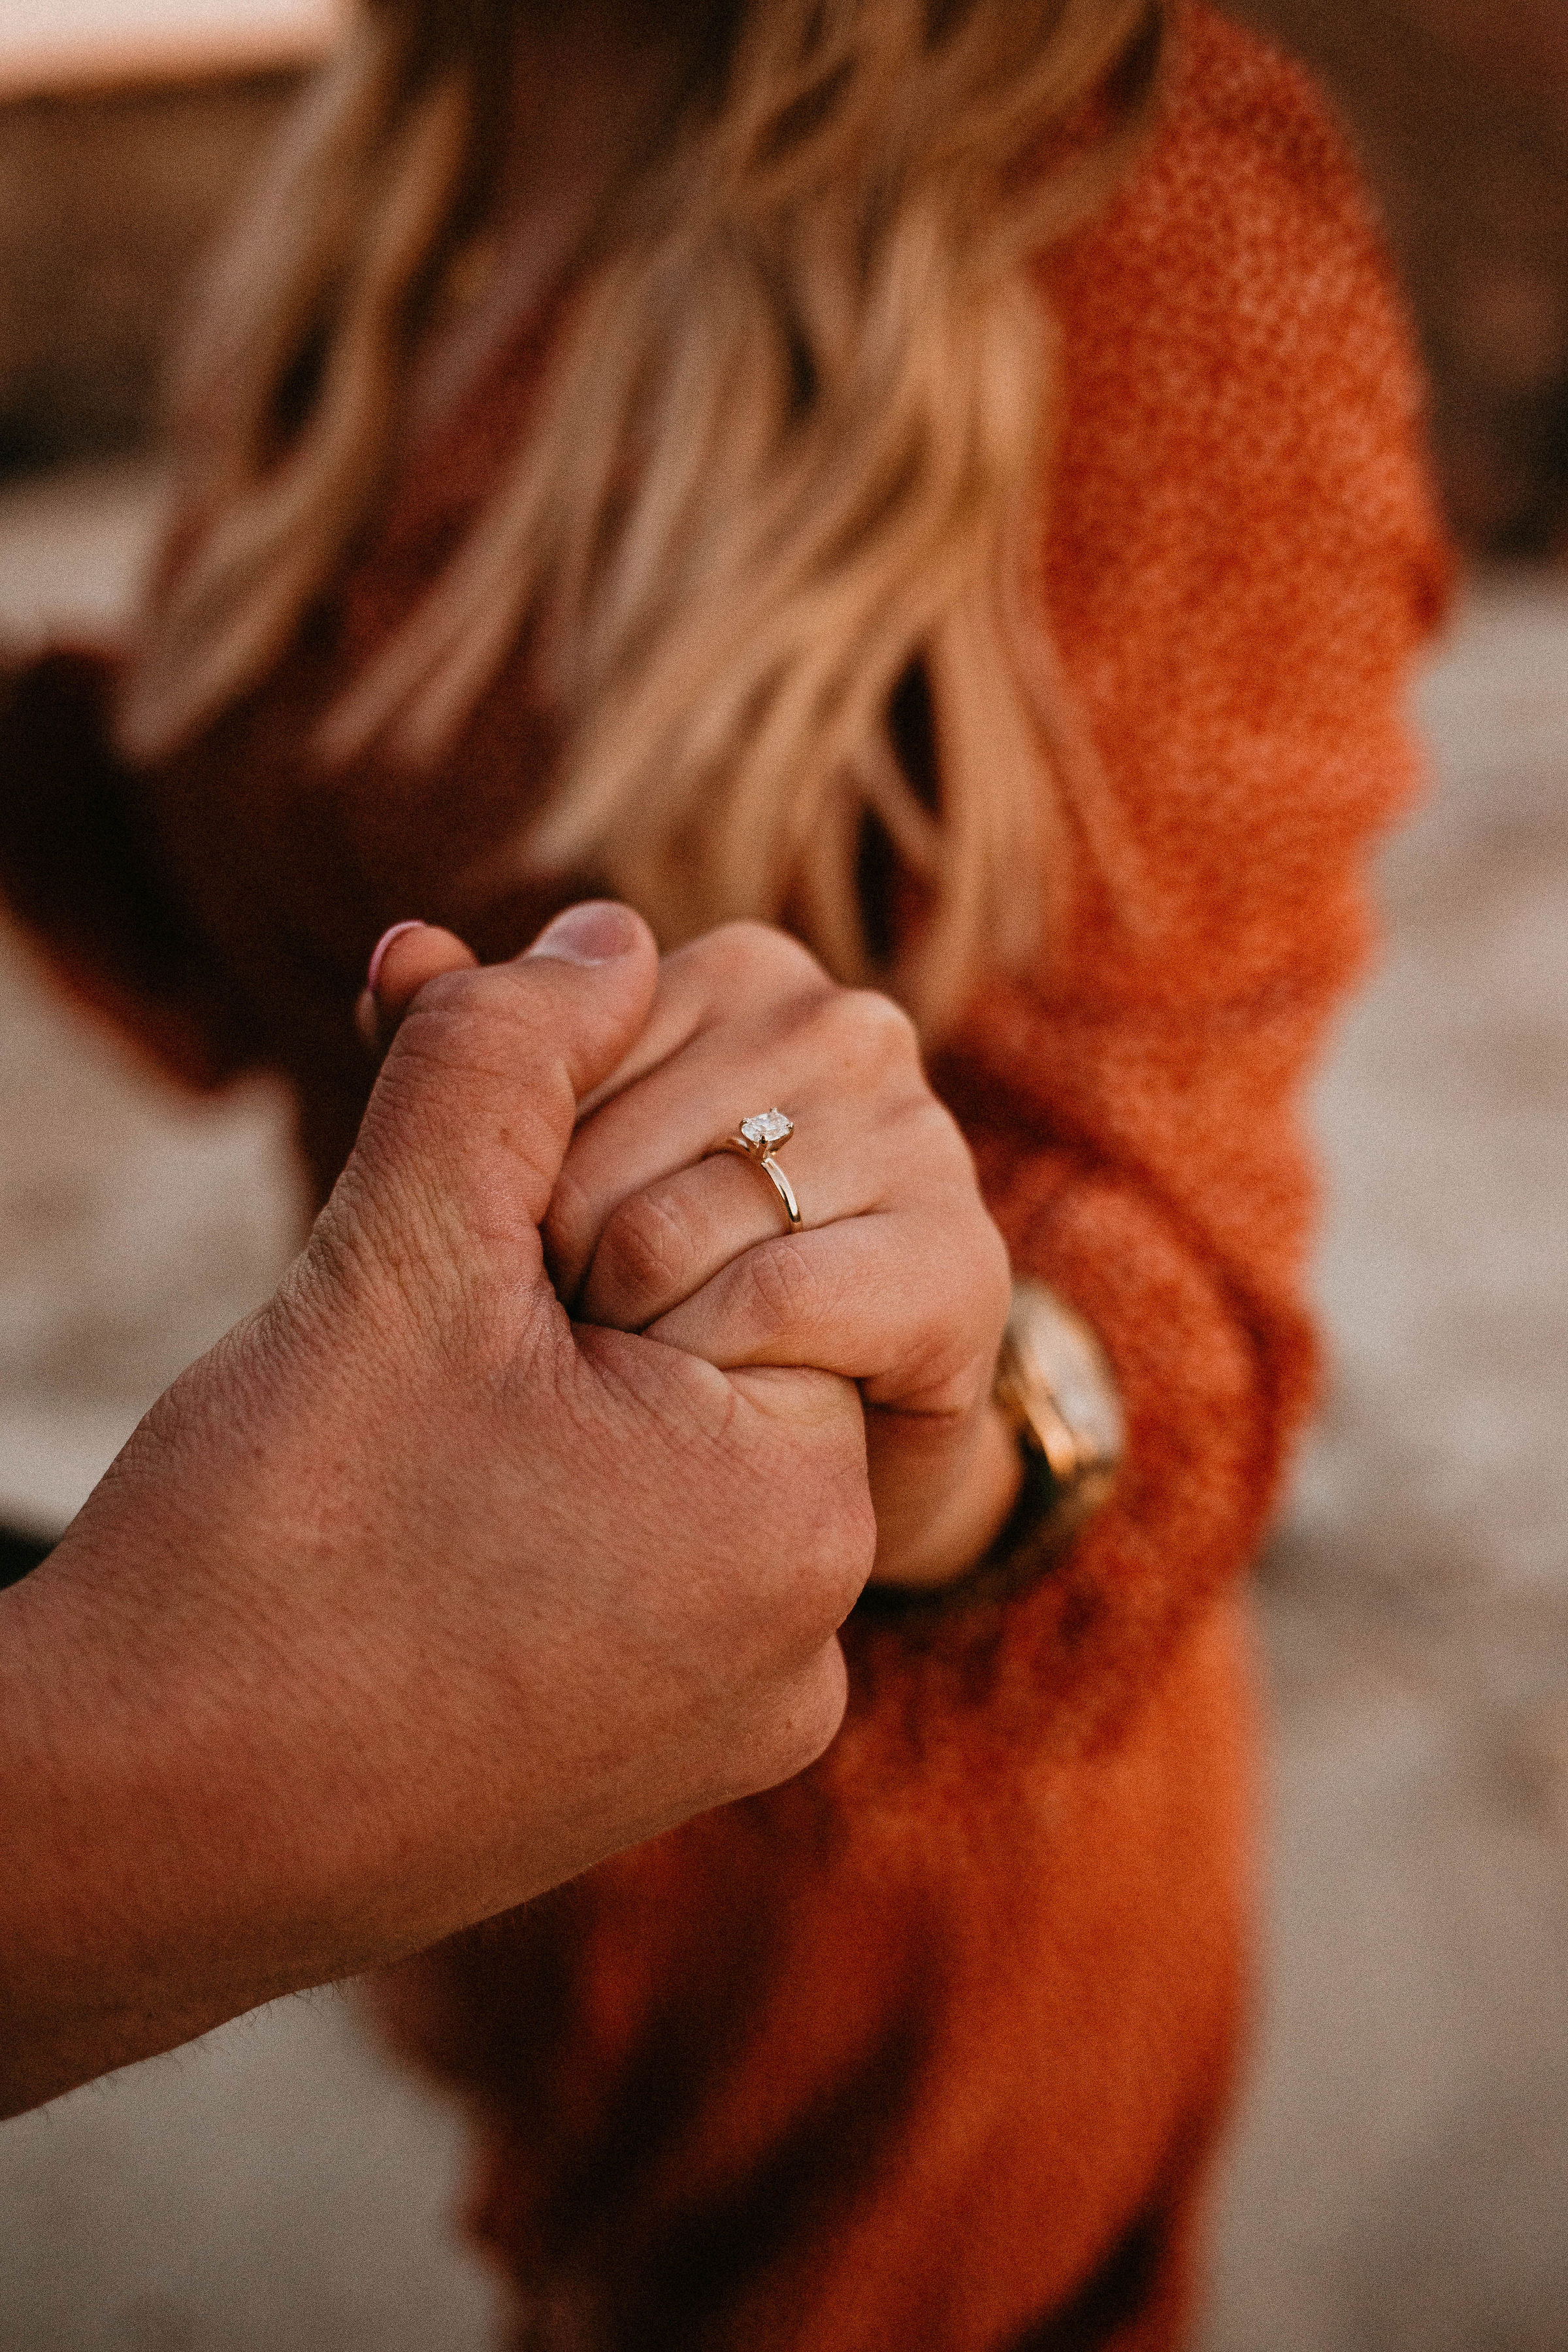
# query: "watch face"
1058,1351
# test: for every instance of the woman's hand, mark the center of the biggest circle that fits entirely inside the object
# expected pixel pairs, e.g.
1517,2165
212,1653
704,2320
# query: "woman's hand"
900,1278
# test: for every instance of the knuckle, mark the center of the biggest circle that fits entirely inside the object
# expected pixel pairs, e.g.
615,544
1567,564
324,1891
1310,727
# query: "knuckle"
472,1024
785,1286
476,1000
987,1276
886,1020
997,1269
764,947
848,1539
642,1258
970,1307
801,1722
837,1534
933,1137
568,1229
872,1037
748,957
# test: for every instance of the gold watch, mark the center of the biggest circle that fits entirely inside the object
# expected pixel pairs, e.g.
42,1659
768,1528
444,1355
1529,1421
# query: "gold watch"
1055,1384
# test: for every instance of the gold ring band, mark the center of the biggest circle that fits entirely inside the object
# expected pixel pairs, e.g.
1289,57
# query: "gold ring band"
756,1139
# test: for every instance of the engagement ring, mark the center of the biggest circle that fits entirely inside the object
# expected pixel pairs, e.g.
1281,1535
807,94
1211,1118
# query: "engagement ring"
756,1139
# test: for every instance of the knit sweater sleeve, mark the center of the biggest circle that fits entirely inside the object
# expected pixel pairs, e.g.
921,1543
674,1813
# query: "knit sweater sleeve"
1241,562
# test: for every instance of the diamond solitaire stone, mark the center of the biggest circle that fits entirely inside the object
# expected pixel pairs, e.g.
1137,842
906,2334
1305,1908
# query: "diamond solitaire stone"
766,1129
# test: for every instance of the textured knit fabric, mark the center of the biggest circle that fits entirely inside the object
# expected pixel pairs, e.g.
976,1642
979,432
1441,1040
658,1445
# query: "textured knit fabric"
927,2048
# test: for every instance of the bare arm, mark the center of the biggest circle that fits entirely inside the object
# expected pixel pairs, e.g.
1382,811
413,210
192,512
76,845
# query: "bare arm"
412,1599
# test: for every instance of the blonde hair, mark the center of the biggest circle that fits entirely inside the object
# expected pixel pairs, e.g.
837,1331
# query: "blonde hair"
789,453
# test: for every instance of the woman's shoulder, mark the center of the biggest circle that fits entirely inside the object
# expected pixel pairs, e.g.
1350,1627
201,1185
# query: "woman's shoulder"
1247,145
1243,413
1243,550
1243,250
1232,315
1239,82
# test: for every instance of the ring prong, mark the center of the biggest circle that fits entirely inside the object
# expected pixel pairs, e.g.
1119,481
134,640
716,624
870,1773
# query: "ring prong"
757,1138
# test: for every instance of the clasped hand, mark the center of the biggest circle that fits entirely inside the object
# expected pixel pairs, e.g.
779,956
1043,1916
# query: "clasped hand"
898,1280
415,1596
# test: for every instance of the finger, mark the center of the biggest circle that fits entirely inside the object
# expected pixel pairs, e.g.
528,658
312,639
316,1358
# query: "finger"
842,1064
911,1306
717,978
660,1245
401,962
475,1105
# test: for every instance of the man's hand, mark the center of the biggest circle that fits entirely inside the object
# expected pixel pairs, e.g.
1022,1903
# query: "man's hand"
412,1599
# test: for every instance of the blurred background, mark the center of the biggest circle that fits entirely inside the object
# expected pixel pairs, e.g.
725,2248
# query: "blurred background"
1399,2177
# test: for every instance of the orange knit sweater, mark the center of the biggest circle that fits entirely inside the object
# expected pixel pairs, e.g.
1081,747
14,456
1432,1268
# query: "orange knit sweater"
927,2048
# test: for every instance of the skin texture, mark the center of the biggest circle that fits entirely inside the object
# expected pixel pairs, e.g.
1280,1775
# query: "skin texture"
900,1280
412,1598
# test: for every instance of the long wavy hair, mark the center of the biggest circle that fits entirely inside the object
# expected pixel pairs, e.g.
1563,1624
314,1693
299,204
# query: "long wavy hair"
770,527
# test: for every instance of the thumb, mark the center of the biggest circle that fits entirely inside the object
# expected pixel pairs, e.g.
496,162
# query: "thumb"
473,1110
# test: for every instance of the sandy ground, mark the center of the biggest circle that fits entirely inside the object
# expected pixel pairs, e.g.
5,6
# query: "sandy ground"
1398,2180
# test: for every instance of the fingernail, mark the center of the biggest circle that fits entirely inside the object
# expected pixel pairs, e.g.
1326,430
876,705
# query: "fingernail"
378,952
595,932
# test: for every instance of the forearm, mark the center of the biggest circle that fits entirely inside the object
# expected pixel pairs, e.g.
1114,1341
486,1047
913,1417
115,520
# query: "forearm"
223,1775
139,1898
135,1910
320,1676
178,1816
